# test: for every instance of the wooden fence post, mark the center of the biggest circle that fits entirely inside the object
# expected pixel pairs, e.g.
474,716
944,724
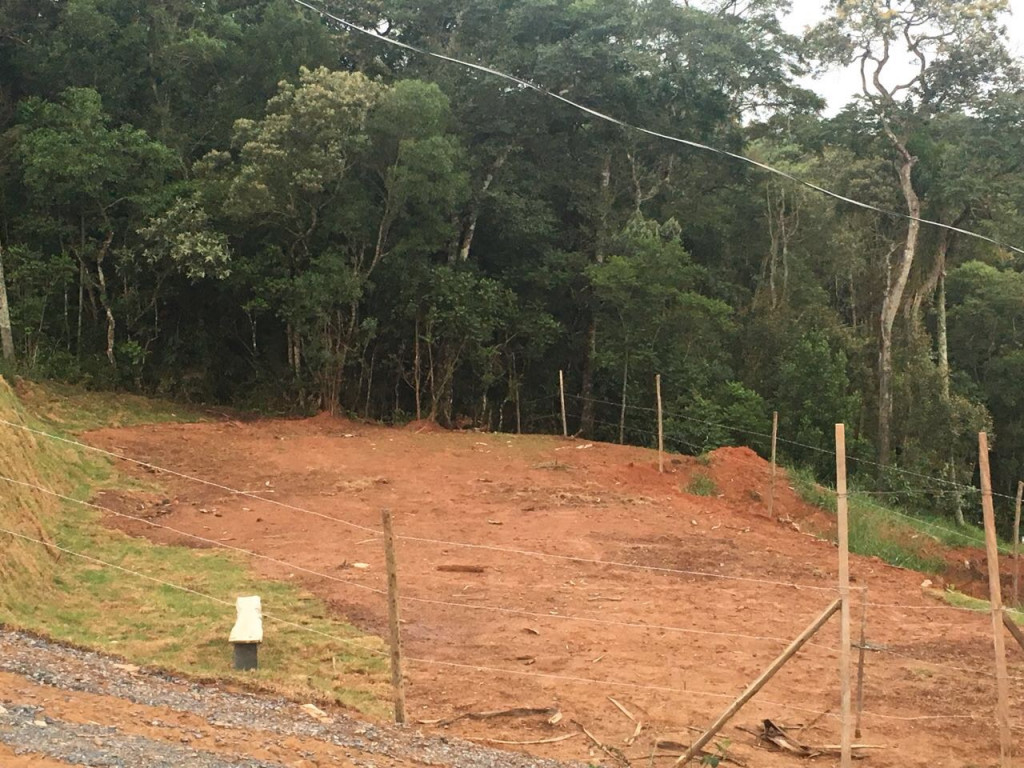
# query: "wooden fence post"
561,393
775,438
1016,545
842,514
758,684
995,595
397,680
661,426
862,649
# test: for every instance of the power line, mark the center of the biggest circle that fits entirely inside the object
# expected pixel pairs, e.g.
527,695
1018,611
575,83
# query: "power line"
667,137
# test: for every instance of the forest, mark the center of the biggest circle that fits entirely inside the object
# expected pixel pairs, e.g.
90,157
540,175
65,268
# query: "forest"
248,203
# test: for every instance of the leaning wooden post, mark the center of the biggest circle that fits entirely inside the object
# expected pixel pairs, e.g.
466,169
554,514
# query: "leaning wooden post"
775,439
758,684
397,681
843,517
862,648
661,426
1013,629
1016,545
996,597
561,393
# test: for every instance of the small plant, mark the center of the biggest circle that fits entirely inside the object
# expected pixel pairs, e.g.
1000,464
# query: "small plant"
701,485
704,459
722,748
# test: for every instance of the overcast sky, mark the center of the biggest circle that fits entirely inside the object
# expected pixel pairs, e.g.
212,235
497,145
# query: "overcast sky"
839,86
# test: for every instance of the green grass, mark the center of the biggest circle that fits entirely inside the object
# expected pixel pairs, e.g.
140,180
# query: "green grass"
74,409
701,485
146,622
961,600
877,530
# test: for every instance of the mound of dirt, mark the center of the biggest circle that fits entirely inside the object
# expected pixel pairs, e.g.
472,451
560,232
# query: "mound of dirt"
423,425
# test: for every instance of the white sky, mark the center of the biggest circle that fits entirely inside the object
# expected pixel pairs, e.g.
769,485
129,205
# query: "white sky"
840,85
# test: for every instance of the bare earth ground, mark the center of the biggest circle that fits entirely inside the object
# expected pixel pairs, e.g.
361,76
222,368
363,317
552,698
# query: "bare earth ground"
929,692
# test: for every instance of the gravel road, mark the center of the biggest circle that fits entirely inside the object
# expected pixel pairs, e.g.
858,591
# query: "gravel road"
81,708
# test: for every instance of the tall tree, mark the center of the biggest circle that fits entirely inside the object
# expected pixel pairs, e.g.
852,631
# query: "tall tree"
957,53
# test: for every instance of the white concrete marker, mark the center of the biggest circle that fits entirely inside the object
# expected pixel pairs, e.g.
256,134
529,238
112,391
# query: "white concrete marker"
247,634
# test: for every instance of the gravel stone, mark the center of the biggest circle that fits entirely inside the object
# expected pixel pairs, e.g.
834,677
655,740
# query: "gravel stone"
71,669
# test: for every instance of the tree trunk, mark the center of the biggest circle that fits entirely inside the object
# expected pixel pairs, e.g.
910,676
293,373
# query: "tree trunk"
941,335
587,388
470,231
105,298
622,413
896,285
6,337
417,371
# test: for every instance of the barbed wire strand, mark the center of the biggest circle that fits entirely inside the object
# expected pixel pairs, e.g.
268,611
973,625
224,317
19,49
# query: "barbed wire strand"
466,666
421,539
406,598
781,439
375,652
452,604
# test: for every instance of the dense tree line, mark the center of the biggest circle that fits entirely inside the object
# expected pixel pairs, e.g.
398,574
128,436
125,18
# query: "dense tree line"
239,201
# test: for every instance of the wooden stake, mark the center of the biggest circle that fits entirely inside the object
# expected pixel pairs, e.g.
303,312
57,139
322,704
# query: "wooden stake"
661,426
775,438
561,392
996,598
1016,545
758,684
397,680
1014,629
843,515
860,660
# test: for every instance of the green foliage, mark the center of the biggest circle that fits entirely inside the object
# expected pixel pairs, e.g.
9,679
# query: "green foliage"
702,484
239,203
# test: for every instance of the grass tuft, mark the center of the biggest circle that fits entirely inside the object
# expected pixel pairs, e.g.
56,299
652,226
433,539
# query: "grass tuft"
701,485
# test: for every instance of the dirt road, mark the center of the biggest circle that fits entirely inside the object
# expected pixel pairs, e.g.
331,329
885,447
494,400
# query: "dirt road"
60,707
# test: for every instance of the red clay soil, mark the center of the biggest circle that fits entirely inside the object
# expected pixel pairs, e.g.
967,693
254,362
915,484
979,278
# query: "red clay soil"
674,646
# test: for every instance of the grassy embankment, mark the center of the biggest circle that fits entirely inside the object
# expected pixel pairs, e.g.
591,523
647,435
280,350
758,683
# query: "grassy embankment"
75,600
917,542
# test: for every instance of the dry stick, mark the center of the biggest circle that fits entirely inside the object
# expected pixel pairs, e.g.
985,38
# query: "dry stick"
1016,545
996,597
860,661
397,681
561,392
759,683
843,515
661,427
1014,629
775,439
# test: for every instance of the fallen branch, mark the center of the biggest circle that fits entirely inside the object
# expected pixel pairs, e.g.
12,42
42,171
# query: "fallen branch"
777,736
677,748
636,734
613,752
552,740
461,568
622,709
551,713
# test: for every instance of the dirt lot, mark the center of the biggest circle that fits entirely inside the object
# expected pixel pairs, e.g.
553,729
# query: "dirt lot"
673,646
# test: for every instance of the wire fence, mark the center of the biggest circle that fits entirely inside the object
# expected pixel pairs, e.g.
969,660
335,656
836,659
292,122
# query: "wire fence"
556,615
